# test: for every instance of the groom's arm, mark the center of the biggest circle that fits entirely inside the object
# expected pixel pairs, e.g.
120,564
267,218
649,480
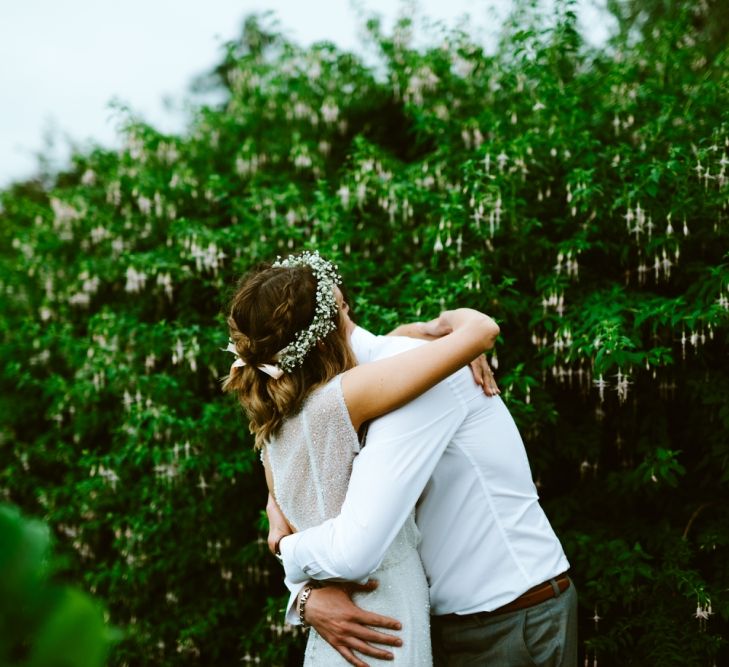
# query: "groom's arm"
402,450
388,477
330,609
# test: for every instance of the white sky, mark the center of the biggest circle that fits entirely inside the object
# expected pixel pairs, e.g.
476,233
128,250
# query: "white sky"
63,61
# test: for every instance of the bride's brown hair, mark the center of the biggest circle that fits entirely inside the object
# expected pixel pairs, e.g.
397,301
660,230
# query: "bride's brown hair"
270,306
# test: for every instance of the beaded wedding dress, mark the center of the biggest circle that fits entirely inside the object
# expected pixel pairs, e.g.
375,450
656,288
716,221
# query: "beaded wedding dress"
311,460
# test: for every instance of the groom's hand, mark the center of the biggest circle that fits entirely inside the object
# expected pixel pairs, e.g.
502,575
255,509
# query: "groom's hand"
345,626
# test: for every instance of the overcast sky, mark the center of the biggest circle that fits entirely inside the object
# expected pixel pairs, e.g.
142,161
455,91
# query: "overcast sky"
63,61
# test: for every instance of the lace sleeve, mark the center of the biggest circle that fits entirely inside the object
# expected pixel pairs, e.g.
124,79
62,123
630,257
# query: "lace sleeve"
310,459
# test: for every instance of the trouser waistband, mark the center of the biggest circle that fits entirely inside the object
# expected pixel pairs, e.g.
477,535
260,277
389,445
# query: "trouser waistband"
540,593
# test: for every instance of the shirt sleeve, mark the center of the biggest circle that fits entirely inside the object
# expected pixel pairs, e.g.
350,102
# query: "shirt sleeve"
292,613
366,347
388,476
363,344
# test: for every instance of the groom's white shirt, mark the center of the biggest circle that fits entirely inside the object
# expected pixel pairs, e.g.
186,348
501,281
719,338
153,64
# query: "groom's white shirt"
458,454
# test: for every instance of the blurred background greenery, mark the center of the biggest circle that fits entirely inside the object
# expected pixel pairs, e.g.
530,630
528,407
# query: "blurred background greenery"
42,622
578,195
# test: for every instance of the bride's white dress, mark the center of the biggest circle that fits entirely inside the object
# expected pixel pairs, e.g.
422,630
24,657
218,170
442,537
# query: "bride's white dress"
311,460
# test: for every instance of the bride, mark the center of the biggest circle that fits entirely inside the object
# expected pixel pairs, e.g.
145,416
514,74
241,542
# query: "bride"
306,400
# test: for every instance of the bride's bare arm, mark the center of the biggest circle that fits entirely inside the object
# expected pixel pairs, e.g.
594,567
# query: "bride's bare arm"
371,390
482,373
278,527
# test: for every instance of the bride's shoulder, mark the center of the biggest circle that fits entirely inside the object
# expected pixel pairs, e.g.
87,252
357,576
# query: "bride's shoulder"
327,400
323,393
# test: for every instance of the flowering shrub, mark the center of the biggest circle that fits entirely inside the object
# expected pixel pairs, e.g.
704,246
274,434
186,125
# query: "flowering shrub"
578,196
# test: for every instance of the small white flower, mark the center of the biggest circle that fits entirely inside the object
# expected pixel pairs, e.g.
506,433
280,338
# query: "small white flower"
329,112
136,280
343,193
145,205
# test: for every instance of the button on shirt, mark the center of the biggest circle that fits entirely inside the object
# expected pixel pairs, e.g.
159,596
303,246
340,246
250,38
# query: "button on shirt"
458,454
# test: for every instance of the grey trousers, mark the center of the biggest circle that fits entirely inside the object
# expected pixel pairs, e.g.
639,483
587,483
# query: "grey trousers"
544,635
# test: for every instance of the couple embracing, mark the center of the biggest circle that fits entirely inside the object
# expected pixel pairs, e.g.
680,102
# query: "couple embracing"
385,460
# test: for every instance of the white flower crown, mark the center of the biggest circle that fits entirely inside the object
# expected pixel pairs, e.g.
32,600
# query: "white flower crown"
327,278
294,353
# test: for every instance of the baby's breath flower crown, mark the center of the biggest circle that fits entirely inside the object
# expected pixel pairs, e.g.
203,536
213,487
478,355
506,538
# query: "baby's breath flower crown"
323,324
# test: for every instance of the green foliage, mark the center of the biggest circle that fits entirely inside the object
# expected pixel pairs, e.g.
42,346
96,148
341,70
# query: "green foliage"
43,624
579,197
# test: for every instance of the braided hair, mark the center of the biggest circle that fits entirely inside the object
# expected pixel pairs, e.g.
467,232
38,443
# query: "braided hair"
270,305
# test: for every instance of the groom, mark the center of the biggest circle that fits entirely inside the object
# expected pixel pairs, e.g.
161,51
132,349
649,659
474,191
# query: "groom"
496,571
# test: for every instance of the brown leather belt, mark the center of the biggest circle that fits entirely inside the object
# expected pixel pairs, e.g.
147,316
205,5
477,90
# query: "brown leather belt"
533,596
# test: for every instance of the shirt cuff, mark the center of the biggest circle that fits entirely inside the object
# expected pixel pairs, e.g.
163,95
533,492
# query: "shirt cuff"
292,610
294,573
361,342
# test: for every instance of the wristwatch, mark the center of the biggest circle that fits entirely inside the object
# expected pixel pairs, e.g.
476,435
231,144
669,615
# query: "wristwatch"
302,604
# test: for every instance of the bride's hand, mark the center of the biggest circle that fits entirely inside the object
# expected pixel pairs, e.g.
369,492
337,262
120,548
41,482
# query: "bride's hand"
436,328
278,527
484,376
